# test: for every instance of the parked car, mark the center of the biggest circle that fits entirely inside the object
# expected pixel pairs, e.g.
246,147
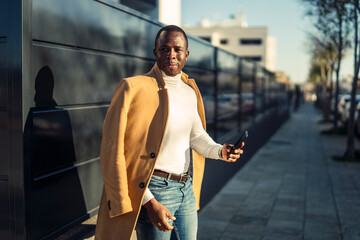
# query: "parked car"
346,104
332,102
341,104
357,121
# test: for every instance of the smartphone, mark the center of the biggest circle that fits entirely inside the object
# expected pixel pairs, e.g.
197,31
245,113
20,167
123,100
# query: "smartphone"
238,143
242,138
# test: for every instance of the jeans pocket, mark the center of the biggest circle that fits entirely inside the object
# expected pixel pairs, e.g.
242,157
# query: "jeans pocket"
158,183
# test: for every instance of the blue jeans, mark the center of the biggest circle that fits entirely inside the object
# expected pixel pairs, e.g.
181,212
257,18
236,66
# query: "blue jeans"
179,199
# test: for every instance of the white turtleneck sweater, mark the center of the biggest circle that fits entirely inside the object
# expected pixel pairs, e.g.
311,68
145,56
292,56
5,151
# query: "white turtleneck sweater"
184,130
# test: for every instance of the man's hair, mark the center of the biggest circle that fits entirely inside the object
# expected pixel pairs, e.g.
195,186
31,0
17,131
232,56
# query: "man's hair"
171,28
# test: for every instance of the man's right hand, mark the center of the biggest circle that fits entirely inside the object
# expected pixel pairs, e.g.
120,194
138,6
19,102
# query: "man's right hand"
159,215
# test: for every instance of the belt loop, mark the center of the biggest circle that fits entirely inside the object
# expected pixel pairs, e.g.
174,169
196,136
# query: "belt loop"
169,176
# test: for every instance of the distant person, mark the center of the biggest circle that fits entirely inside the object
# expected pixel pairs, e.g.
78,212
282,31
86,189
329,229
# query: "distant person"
290,95
297,97
153,150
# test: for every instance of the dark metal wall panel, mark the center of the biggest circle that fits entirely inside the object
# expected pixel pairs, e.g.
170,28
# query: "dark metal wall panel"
55,201
62,151
4,34
201,54
4,210
247,69
227,61
72,76
91,183
4,18
62,148
49,141
58,138
247,94
259,95
3,74
92,24
86,126
227,94
63,197
144,6
228,82
4,147
205,80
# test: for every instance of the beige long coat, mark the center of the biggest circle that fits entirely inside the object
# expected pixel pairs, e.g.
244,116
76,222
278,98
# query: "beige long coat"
132,138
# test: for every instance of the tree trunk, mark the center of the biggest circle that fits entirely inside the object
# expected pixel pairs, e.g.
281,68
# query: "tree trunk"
340,47
350,147
325,97
332,85
336,113
331,90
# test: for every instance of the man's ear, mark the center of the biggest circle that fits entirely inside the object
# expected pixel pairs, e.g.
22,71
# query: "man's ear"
154,52
187,53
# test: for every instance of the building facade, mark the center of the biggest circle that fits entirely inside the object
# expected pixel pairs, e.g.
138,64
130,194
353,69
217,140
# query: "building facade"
281,77
235,36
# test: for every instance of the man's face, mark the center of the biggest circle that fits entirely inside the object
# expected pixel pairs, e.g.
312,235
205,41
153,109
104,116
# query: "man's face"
171,52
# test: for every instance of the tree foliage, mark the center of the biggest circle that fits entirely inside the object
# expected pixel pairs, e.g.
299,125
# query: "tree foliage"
323,57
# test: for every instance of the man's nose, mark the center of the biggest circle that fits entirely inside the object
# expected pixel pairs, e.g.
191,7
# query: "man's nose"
172,53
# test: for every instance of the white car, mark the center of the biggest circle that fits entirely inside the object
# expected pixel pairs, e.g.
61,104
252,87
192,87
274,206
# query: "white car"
346,104
341,104
332,102
357,121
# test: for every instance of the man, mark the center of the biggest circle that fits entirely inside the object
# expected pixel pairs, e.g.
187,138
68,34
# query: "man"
153,150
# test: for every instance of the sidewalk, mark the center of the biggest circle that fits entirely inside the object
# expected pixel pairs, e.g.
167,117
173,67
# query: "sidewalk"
290,189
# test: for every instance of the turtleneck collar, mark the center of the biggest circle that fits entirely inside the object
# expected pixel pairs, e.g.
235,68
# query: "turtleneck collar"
171,81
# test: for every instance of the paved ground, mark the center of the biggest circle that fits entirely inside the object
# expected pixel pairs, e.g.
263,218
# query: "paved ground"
290,189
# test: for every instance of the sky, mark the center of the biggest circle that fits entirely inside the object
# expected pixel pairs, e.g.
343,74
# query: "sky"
285,19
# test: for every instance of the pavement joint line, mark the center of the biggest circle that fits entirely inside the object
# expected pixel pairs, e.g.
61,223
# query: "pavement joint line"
333,193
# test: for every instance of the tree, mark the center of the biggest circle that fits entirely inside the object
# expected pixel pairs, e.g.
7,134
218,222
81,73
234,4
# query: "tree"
324,55
354,18
330,20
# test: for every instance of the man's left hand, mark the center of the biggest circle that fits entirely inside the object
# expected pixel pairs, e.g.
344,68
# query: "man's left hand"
234,156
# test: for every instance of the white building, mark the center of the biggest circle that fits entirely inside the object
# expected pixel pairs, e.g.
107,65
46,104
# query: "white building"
235,36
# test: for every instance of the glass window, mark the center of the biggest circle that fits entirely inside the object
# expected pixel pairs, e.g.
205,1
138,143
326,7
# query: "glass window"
206,38
223,41
247,94
253,58
250,41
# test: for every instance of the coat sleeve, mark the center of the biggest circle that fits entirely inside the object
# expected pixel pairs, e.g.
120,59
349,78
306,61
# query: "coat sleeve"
112,157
